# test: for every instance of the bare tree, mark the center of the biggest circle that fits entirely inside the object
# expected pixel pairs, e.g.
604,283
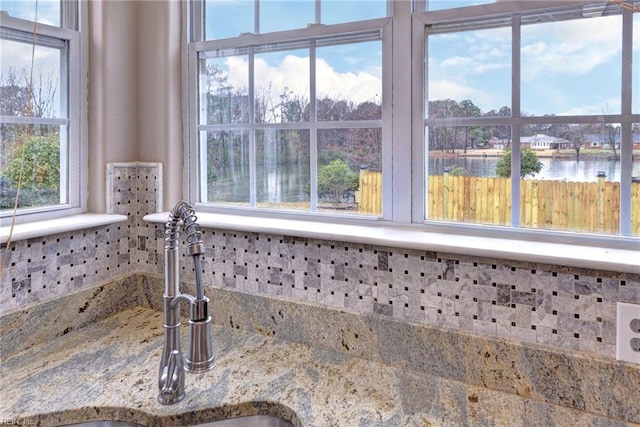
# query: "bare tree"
575,134
19,96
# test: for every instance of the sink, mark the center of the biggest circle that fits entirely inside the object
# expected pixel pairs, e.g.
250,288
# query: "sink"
248,421
105,424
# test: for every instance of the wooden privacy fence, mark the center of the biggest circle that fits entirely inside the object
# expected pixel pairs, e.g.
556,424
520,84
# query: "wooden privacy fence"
563,205
370,192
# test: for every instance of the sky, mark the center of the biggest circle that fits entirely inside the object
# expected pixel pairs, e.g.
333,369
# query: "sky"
568,68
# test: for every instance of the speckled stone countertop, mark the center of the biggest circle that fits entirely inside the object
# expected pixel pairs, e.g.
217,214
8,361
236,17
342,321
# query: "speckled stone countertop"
107,369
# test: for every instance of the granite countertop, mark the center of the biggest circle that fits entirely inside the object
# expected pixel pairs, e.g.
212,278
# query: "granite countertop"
56,372
109,371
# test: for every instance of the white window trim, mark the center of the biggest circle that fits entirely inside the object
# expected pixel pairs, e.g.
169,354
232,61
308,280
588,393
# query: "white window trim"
54,226
77,159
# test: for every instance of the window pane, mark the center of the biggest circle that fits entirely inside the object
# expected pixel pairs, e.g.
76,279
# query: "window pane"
350,171
468,75
224,18
282,169
44,99
572,67
349,81
227,170
282,86
338,11
286,15
465,179
224,93
30,166
578,185
34,146
472,67
48,11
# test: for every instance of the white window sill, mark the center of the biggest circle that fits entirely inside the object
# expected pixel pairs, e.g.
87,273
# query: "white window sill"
60,225
571,255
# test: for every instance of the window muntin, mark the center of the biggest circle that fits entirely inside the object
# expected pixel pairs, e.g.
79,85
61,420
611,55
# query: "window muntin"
635,184
635,85
294,99
40,124
596,127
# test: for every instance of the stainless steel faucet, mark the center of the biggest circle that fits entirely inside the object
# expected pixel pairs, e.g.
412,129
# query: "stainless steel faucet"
200,356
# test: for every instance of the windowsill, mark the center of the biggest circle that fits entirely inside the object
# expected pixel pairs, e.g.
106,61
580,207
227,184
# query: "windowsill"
60,225
571,255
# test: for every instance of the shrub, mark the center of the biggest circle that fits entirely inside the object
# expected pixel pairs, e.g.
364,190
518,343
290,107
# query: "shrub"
529,164
335,179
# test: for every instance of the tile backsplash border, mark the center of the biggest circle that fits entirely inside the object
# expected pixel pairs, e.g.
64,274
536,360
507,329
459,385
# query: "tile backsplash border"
552,305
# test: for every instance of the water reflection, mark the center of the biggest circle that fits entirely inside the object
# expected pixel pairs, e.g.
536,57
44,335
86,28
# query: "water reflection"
583,170
289,182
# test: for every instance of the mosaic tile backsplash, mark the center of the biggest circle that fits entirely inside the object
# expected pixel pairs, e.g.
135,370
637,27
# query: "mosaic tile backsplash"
558,306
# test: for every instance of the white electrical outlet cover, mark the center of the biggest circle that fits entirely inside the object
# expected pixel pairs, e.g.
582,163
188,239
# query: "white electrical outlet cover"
627,333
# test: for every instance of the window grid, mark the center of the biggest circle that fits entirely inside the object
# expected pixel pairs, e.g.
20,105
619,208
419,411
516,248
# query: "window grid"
67,108
250,45
445,21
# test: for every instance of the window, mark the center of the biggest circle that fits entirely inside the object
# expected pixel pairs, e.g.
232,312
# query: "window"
528,118
523,116
289,117
41,92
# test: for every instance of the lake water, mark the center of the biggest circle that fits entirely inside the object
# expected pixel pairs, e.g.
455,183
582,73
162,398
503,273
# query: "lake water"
552,169
288,183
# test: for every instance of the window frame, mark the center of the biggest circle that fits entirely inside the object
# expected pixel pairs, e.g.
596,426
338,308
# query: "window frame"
312,32
512,11
74,83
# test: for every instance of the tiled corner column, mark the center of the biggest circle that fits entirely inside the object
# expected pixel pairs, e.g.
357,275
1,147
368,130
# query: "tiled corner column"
562,307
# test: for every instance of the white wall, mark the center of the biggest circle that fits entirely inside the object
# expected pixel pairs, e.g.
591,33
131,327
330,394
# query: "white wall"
134,91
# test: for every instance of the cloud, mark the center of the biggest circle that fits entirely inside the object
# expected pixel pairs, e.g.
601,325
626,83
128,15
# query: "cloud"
292,72
443,89
456,61
570,47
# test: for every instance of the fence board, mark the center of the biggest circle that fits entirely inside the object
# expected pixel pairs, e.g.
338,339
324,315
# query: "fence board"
561,205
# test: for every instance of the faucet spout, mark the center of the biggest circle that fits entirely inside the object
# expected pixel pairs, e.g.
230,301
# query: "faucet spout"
200,356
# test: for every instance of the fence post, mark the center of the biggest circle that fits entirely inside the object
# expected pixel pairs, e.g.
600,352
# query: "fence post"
601,202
